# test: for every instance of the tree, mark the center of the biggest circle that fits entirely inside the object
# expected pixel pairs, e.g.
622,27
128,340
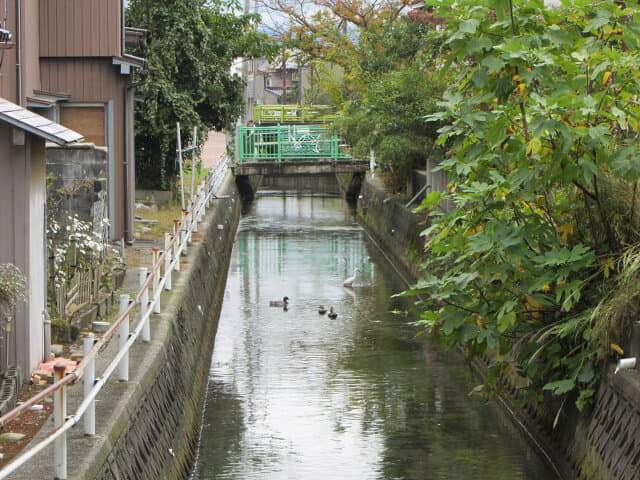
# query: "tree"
386,56
538,263
191,47
392,84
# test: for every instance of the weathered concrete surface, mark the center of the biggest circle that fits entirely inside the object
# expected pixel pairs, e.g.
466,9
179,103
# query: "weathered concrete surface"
393,227
301,167
79,174
319,183
247,186
147,428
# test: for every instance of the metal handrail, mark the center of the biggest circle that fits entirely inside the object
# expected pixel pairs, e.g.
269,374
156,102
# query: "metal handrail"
294,113
289,142
182,234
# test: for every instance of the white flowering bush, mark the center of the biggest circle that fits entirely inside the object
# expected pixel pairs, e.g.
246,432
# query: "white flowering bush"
13,287
75,246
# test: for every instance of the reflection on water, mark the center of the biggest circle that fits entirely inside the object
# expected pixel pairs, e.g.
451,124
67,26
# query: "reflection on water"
296,395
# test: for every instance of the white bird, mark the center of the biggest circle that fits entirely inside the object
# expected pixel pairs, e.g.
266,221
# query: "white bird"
349,281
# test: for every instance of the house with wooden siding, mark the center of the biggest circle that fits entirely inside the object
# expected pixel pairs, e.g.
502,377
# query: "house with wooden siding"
22,180
86,84
62,62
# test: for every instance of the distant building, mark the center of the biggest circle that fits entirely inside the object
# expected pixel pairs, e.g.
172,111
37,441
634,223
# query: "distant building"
277,83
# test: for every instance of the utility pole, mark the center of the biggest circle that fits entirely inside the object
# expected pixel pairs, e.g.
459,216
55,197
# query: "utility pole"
284,78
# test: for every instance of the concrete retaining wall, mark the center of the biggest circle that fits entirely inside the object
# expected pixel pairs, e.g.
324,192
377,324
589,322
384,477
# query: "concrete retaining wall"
395,228
600,443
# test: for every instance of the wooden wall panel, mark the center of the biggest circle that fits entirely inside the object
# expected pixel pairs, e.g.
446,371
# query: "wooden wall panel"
8,69
89,121
80,28
86,80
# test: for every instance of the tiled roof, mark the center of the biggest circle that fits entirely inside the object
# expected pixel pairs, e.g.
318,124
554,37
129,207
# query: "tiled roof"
36,124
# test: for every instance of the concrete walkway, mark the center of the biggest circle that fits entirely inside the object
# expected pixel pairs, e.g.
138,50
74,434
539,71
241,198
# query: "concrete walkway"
214,148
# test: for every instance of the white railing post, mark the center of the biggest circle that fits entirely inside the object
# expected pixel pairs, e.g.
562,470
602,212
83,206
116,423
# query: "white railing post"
144,305
176,244
123,331
167,261
156,281
183,233
59,416
189,220
203,201
89,378
195,206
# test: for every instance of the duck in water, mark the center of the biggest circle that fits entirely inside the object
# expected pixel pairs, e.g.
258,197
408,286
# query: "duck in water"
322,310
279,303
332,315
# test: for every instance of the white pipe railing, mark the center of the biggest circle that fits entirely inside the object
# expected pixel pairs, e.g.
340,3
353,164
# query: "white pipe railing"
175,245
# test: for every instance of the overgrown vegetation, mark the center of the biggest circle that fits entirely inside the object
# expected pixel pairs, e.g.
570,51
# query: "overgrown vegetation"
13,288
377,63
392,84
538,262
191,47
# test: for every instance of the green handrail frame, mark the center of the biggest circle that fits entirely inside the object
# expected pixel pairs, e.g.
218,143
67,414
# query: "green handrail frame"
288,143
270,114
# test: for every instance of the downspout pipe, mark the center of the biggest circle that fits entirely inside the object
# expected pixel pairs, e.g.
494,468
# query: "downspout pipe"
19,51
128,213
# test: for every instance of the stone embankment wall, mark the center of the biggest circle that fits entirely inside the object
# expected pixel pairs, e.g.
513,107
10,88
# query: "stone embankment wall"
148,427
600,443
391,225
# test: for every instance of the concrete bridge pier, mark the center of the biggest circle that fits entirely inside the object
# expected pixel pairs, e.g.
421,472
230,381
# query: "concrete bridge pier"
319,175
354,187
247,186
348,184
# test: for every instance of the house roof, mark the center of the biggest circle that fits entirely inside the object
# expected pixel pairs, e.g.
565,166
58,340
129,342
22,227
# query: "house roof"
38,125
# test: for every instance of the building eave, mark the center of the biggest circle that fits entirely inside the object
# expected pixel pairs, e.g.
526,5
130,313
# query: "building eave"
126,62
31,122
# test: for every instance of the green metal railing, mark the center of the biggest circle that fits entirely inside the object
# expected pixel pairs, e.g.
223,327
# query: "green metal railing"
289,142
294,114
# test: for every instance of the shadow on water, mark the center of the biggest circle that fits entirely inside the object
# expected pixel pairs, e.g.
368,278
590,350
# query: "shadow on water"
296,395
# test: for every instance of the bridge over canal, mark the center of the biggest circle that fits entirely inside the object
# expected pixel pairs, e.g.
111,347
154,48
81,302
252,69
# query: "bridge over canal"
293,150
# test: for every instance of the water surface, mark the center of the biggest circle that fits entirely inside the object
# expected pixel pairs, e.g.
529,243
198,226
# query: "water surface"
295,395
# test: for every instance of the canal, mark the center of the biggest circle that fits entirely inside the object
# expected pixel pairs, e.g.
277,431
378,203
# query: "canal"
296,395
